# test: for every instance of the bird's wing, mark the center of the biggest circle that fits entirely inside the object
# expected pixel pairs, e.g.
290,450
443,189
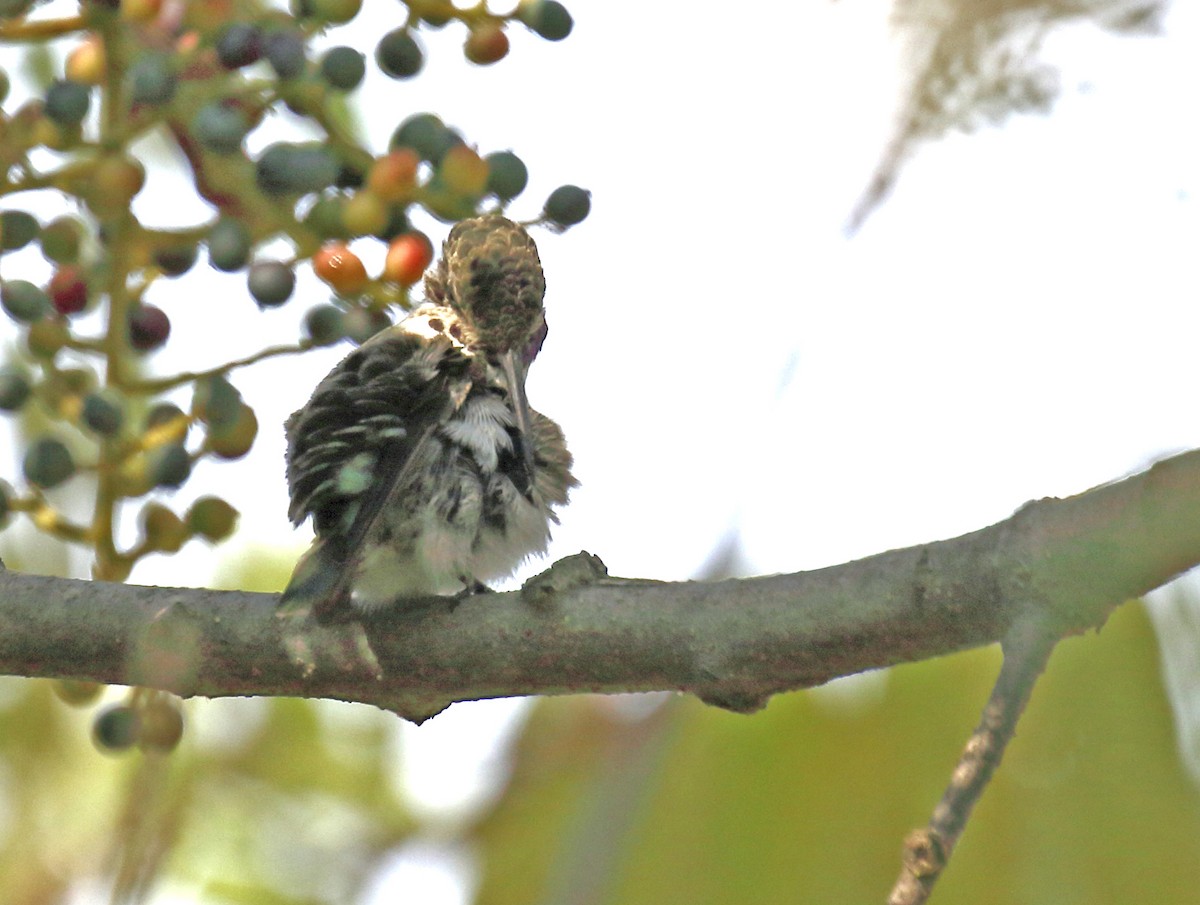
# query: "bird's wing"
356,444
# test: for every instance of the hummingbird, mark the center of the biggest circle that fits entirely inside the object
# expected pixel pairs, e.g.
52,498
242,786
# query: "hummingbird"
418,458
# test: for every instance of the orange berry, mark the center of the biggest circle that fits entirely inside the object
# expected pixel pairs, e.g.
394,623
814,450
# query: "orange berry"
341,268
394,176
87,62
407,257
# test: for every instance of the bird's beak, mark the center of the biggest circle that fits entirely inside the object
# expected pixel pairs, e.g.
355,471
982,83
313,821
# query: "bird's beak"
514,376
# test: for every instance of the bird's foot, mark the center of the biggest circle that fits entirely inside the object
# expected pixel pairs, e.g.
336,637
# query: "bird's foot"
471,587
570,572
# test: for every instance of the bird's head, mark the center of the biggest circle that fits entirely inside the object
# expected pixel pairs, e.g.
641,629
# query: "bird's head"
490,274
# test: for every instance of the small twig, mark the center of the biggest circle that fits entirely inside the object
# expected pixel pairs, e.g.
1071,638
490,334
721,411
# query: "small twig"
40,29
163,384
1027,648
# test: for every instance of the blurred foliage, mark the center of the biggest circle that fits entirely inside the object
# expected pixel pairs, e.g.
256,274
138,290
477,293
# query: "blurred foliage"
620,802
808,801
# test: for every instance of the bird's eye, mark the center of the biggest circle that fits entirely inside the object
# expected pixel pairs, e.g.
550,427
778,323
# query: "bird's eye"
535,343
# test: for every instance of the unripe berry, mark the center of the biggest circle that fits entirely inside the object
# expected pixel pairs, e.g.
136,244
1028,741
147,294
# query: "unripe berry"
507,174
48,463
271,283
212,518
463,172
162,725
393,177
399,55
162,528
568,205
116,728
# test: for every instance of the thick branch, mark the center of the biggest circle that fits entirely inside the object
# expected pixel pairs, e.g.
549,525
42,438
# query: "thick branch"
734,643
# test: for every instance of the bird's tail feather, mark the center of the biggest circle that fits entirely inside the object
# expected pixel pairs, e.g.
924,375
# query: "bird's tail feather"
317,582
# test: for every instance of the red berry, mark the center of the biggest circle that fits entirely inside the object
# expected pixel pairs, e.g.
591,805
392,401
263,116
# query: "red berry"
149,327
68,291
486,45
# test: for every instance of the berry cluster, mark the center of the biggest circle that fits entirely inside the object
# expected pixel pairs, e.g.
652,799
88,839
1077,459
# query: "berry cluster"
204,76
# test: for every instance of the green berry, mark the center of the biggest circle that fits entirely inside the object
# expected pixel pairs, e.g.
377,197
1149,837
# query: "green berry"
176,260
217,402
229,245
170,466
23,301
14,388
163,413
547,18
325,218
399,55
151,80
240,44
103,413
61,239
363,323
337,12
67,102
212,518
426,134
220,127
285,168
343,68
48,463
284,50
271,283
116,728
507,174
17,229
325,325
568,205
162,528
234,441
46,337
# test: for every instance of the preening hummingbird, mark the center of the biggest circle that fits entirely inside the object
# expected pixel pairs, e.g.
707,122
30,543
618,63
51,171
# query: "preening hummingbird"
417,457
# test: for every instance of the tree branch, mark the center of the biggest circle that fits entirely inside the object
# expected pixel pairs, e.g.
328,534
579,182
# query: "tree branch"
1066,563
1027,650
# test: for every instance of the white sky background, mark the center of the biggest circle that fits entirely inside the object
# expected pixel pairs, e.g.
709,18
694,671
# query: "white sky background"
1018,320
